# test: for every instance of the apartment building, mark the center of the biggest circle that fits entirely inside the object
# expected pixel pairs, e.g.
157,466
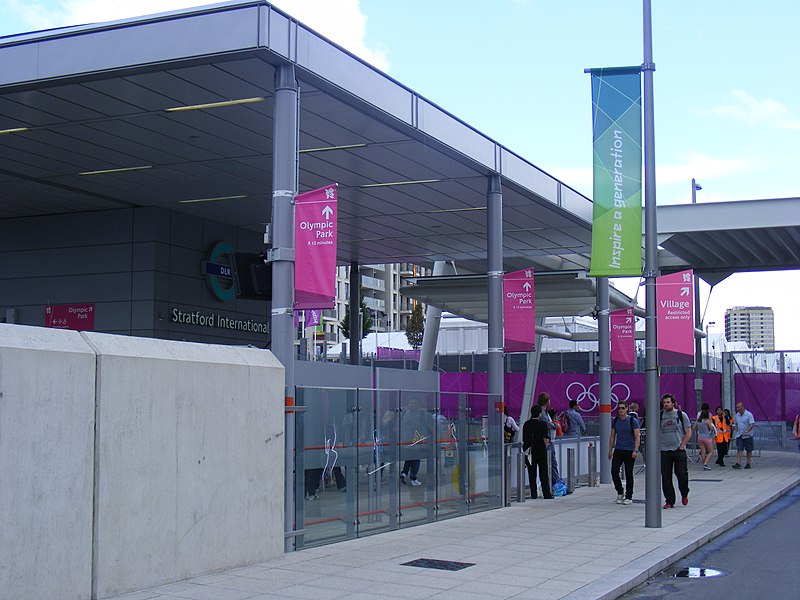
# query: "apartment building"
754,325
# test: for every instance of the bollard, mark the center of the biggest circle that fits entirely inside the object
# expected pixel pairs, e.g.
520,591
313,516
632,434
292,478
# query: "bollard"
592,466
570,470
507,474
549,470
521,475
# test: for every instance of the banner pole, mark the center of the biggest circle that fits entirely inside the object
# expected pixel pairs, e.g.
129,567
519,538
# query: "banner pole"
653,438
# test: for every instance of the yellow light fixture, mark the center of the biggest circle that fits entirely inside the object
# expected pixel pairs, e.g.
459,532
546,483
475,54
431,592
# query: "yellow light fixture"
239,197
327,148
120,170
14,130
374,185
214,104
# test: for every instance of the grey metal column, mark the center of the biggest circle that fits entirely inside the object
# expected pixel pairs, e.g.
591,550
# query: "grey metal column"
652,515
355,314
494,202
284,189
494,235
531,374
433,317
604,354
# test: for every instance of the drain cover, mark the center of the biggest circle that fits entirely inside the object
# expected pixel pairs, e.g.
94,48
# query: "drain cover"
443,565
697,572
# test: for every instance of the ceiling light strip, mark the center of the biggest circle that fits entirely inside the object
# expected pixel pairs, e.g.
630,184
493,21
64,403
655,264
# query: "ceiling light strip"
393,183
120,170
239,197
14,130
327,148
214,104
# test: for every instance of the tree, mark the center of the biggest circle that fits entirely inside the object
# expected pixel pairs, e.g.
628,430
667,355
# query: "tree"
366,321
416,327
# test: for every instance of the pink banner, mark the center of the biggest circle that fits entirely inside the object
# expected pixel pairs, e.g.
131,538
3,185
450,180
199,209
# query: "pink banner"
623,339
519,312
675,317
79,317
315,249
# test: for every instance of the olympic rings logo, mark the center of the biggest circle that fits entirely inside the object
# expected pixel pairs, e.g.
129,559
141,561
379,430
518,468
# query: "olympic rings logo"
620,392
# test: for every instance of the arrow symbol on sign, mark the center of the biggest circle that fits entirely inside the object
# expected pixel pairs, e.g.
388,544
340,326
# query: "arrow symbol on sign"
628,319
327,212
684,291
526,286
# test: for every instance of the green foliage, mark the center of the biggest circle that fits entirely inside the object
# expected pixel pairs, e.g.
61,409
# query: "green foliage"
416,327
366,321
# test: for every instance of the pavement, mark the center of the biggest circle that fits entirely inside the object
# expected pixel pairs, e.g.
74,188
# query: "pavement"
582,546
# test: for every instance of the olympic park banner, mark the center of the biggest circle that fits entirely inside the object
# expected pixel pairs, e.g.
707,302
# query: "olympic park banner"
519,312
315,227
623,339
617,189
675,319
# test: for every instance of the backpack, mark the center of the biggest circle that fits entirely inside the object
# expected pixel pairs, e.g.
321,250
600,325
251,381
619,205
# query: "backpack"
680,419
508,432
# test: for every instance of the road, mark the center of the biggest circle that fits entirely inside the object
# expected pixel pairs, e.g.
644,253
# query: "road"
760,558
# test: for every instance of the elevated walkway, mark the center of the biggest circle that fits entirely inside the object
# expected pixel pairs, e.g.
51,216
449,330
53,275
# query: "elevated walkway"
581,546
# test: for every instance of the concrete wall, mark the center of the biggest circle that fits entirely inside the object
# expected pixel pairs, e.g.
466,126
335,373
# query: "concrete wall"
183,472
47,381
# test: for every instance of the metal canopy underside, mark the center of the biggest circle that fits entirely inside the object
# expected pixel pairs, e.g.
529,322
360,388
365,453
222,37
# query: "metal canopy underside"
556,295
720,238
94,98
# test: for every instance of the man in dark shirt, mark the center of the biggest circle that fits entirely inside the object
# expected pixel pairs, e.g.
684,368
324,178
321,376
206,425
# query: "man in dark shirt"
535,439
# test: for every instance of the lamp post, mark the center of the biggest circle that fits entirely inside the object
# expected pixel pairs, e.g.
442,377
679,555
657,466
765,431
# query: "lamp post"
709,324
698,324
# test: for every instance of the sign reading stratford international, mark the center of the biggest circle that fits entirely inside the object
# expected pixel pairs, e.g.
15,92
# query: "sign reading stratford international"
617,190
216,320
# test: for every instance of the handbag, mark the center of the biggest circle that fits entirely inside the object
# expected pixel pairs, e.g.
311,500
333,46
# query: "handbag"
508,433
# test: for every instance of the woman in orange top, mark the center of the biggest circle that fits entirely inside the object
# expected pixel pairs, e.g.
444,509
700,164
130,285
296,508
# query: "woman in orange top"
723,435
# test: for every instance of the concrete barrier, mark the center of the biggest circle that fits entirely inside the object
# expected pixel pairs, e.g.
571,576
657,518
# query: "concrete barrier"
47,381
183,468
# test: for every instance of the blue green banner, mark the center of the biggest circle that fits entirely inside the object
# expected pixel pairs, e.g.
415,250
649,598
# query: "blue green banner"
617,193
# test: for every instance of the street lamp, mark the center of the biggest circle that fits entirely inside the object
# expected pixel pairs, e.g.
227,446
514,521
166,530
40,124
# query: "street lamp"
695,186
708,325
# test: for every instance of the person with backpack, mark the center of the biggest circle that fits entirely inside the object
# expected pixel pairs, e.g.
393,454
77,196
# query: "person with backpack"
676,430
625,438
510,427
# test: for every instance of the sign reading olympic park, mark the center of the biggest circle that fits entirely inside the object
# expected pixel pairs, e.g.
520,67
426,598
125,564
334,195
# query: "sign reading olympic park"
315,233
78,317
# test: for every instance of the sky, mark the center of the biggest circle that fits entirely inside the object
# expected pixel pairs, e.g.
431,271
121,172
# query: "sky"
726,90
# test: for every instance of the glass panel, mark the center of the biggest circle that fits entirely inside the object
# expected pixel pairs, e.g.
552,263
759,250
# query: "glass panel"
484,452
415,435
450,499
325,441
377,461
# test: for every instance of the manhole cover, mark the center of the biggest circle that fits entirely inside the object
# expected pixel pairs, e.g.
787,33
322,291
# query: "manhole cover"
697,572
443,565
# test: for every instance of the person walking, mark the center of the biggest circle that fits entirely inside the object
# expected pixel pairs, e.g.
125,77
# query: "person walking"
544,402
535,440
706,432
676,430
576,426
624,442
723,436
743,423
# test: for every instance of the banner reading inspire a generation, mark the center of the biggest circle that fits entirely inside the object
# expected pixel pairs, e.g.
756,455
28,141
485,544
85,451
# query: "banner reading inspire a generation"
617,218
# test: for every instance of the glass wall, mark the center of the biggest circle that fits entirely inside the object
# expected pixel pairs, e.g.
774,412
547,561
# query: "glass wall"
371,460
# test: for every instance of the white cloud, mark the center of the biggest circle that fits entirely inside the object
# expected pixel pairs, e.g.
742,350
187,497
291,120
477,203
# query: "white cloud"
741,106
690,163
342,21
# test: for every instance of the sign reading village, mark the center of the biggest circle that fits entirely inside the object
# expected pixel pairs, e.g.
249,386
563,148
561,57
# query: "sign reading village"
216,320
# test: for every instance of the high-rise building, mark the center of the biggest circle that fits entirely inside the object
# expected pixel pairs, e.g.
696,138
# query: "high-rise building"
754,325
